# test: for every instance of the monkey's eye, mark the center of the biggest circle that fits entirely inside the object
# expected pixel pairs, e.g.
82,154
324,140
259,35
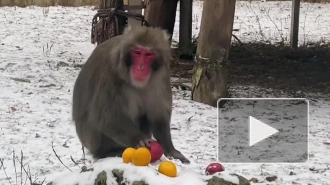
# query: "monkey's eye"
137,52
148,54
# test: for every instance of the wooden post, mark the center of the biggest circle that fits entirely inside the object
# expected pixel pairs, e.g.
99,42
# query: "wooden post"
295,23
209,80
105,28
133,22
185,34
161,13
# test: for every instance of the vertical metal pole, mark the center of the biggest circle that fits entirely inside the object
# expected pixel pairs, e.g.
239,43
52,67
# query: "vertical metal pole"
294,23
185,27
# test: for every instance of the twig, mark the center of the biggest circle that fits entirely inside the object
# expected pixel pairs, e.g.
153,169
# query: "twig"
22,169
43,181
278,29
15,166
59,158
28,175
4,170
239,41
74,161
189,119
84,156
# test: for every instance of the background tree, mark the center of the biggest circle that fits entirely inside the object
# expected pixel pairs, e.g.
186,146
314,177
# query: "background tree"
161,13
209,80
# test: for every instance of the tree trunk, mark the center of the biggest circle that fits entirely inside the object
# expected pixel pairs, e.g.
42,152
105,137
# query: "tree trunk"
210,71
161,13
185,32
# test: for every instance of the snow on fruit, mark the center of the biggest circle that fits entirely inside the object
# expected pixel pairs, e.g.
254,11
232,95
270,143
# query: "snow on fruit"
141,157
167,168
156,151
214,168
127,155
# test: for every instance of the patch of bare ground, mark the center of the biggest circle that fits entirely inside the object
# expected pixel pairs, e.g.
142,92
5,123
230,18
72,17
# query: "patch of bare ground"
295,71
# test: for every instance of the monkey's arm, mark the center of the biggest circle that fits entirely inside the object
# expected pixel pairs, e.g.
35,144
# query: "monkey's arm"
161,130
110,119
160,126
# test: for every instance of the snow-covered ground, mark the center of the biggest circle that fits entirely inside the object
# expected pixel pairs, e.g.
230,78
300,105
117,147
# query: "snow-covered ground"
271,21
39,48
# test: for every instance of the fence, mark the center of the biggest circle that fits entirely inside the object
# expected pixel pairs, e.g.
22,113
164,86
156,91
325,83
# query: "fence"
307,1
45,3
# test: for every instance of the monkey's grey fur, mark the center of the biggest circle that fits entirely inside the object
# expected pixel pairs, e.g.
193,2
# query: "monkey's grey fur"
110,113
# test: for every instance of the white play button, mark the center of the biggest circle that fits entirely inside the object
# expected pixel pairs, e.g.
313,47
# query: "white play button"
259,131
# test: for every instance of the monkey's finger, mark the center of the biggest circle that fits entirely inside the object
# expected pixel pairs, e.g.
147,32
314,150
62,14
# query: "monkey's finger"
184,160
147,142
178,155
141,143
152,140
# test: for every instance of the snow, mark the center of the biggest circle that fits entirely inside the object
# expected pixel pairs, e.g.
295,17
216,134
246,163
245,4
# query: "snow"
133,173
271,21
39,51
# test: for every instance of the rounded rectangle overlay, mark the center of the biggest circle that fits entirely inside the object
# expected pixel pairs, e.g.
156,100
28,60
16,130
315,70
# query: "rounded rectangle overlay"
263,130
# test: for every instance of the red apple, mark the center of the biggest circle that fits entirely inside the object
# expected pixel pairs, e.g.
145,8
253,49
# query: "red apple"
214,168
156,151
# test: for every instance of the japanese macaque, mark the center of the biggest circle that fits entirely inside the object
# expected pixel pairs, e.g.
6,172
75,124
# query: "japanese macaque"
122,96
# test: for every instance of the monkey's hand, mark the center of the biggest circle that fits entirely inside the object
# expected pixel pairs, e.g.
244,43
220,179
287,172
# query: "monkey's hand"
145,143
177,155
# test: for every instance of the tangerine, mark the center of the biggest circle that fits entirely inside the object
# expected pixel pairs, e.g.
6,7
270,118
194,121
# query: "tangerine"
167,168
127,155
141,157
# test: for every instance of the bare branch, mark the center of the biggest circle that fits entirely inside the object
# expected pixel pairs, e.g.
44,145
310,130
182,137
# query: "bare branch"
59,158
15,166
4,170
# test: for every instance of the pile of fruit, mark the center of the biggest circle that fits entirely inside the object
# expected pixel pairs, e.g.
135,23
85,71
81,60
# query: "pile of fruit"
143,157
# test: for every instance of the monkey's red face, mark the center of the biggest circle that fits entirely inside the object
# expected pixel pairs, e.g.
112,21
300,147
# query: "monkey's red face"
142,59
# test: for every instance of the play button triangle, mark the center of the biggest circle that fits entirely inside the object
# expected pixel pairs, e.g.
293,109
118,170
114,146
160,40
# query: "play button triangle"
259,131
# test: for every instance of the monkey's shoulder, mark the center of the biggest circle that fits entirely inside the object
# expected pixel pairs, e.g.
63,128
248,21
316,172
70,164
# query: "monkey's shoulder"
110,43
107,48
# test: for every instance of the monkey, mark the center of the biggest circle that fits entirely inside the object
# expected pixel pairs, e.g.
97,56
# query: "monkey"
122,95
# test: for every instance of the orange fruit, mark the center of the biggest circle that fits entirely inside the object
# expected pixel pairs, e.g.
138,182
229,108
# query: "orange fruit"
167,168
141,157
127,155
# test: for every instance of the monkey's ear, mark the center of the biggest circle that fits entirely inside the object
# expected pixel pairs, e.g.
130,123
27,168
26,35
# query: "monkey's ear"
166,35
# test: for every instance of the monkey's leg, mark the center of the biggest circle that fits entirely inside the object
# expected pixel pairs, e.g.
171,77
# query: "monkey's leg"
162,133
107,148
98,145
121,129
144,126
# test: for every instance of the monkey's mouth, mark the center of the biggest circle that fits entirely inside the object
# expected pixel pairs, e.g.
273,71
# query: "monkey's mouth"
141,79
140,76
